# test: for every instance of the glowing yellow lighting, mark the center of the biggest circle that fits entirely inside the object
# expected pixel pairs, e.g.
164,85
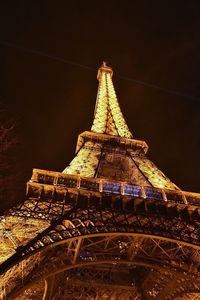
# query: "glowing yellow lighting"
108,117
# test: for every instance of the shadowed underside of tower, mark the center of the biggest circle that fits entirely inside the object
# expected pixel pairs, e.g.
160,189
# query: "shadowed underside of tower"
110,226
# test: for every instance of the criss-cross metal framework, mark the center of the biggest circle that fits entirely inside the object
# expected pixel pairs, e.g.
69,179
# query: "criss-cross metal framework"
110,226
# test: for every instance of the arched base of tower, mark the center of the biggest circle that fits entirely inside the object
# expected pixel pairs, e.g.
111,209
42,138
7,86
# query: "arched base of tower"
114,266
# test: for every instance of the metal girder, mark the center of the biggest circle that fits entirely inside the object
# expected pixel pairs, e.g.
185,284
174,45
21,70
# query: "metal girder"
91,222
114,251
51,285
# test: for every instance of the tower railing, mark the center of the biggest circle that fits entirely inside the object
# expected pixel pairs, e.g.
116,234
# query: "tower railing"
50,180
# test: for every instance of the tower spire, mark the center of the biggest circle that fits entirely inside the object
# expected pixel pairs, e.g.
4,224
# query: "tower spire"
108,117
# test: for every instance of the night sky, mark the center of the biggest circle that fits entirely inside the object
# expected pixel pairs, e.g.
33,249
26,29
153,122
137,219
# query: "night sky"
49,55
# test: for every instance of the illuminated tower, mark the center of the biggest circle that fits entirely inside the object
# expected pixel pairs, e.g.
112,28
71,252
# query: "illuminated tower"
110,226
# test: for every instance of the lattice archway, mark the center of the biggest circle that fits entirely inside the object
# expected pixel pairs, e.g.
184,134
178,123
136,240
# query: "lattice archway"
169,260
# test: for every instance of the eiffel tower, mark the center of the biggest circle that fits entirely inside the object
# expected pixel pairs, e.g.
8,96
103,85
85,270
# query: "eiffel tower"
110,226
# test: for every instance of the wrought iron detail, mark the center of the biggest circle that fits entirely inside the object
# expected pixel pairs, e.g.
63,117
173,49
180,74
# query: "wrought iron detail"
110,226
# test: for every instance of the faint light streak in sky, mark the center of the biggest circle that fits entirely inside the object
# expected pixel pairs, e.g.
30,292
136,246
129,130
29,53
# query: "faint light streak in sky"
76,64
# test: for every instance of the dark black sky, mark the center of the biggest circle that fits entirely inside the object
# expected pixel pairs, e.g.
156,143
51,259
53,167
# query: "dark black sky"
153,41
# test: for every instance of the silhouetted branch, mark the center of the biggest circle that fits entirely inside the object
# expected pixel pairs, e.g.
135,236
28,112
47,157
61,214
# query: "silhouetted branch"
10,161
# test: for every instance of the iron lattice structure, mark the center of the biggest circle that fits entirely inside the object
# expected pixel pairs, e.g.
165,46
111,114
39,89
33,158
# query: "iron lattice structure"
110,226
